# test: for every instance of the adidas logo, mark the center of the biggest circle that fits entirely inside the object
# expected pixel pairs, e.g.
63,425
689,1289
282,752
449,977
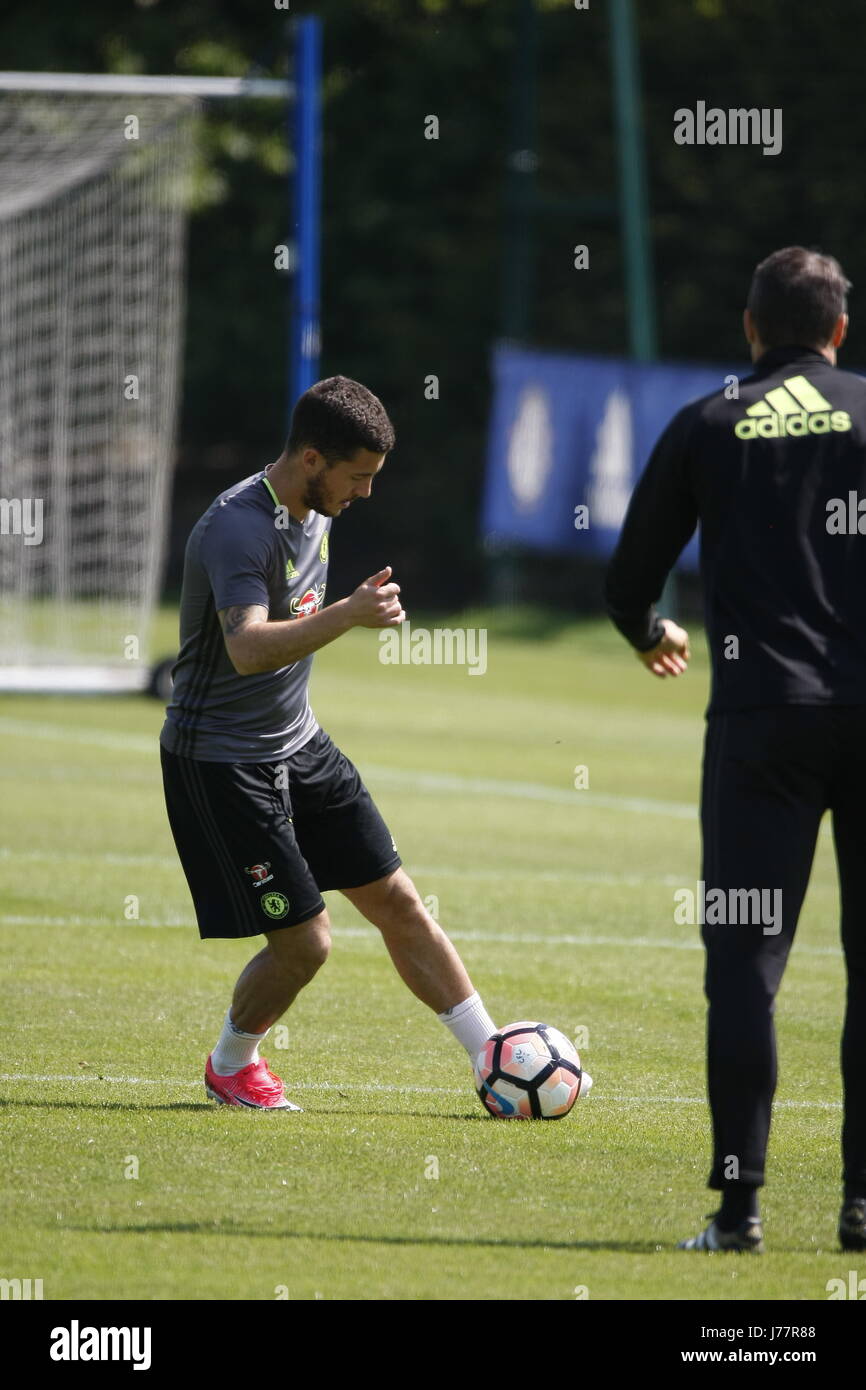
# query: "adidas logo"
796,408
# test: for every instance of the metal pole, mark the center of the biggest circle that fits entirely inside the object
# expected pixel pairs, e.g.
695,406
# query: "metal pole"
521,178
634,208
305,332
632,183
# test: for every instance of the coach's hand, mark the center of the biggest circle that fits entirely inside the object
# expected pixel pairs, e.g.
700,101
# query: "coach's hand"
670,656
375,603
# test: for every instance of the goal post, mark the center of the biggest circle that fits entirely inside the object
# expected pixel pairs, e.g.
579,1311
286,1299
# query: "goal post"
95,173
91,281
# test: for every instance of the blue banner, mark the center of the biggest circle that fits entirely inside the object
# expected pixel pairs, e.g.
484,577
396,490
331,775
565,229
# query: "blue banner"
569,437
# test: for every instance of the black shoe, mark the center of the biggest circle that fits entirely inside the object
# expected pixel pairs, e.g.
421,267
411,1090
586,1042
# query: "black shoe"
748,1236
852,1224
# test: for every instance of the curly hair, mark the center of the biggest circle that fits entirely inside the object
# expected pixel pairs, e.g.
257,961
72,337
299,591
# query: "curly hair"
337,416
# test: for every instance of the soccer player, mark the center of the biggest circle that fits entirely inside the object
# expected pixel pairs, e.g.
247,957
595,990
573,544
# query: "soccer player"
265,810
776,475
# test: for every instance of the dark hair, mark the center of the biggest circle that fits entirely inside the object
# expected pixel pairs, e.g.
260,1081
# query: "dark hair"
796,296
337,416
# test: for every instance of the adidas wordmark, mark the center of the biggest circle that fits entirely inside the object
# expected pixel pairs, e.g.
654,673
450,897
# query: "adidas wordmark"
795,408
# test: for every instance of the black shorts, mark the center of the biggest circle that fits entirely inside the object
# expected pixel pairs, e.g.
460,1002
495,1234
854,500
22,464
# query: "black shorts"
260,842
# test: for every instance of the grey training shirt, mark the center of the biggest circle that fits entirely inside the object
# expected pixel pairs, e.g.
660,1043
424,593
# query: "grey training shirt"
244,550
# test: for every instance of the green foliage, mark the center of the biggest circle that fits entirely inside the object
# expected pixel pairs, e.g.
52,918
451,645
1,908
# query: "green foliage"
414,230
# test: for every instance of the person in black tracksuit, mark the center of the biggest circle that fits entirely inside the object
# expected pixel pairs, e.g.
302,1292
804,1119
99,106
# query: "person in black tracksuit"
774,470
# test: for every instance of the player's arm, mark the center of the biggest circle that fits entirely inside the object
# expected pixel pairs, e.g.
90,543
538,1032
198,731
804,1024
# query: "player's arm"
661,518
256,645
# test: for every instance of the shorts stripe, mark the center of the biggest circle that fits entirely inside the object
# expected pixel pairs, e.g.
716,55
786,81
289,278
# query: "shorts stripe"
197,792
321,832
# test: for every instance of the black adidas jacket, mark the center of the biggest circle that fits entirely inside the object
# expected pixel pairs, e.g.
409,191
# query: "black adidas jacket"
776,479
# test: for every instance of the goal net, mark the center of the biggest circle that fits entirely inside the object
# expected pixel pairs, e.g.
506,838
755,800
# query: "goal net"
93,191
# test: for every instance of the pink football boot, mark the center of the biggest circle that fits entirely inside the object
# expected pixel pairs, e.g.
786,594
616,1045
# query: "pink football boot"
254,1086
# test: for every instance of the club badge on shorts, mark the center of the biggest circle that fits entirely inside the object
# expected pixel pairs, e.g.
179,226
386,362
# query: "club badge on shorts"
276,905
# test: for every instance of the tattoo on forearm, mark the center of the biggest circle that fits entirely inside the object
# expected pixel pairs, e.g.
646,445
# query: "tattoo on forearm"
234,619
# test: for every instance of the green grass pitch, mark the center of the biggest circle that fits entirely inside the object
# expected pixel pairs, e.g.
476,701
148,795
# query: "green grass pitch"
561,903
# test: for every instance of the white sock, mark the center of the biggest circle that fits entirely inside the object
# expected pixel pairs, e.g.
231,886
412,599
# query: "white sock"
235,1050
470,1023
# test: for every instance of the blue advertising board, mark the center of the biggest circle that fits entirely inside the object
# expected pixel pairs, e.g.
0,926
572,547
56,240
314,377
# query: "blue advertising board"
568,439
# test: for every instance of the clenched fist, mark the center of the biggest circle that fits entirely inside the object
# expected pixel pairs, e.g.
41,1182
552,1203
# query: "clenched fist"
375,603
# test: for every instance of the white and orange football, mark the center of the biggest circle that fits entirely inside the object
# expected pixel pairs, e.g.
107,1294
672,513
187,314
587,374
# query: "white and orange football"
529,1071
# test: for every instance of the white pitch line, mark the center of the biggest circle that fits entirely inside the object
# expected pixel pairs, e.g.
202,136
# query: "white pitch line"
39,732
455,934
381,1087
434,782
451,783
168,861
13,920
93,859
545,876
176,1081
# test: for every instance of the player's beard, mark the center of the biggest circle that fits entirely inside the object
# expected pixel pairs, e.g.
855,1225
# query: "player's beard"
316,496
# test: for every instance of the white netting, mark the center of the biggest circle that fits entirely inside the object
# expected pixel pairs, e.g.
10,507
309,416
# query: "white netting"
92,242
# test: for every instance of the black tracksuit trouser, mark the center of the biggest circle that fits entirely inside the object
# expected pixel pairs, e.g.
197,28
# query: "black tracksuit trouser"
768,777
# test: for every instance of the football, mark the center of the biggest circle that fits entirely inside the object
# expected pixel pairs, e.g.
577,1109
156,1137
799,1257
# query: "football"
529,1071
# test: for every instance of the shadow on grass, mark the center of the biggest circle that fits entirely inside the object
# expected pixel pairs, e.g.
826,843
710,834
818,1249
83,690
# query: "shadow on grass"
203,1228
208,1107
105,1105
